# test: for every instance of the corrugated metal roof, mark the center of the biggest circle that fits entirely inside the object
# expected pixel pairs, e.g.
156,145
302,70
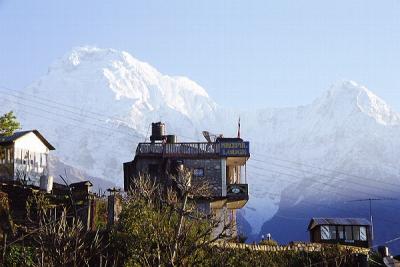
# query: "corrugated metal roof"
337,221
10,139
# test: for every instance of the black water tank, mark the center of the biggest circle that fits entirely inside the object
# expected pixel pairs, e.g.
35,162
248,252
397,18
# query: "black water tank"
157,131
171,139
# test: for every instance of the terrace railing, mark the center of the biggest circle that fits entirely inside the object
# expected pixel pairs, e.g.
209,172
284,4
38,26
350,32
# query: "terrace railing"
178,149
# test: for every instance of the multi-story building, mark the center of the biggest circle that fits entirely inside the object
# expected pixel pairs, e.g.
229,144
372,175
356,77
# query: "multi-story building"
219,163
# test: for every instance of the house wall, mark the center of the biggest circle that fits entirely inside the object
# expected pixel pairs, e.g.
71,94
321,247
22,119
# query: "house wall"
212,171
212,174
32,142
6,162
30,158
315,236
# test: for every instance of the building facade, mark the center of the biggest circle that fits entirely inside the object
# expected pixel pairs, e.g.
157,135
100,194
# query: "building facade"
345,231
24,157
219,163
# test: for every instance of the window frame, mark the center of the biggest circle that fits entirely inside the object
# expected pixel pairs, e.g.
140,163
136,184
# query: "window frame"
201,174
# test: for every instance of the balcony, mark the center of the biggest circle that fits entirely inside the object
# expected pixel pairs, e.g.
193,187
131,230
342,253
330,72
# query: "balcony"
178,149
197,149
237,195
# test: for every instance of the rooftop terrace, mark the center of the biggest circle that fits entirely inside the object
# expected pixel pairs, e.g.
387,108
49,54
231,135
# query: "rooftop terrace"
195,149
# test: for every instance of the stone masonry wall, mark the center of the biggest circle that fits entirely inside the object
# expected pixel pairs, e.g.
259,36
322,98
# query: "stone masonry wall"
212,173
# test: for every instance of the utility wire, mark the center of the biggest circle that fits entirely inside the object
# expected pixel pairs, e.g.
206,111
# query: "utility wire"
72,118
324,169
312,179
110,129
316,190
34,107
314,204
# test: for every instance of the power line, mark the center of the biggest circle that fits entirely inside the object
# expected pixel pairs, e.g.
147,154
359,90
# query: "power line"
47,100
313,179
326,206
324,183
255,166
325,169
327,176
115,130
75,118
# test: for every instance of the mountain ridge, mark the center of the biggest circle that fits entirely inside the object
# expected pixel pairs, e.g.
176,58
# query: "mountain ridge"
115,97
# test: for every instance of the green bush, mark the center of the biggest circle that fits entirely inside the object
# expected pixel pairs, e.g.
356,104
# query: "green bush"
18,255
270,242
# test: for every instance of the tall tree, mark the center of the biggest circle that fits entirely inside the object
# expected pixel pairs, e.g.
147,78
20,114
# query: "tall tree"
162,226
8,124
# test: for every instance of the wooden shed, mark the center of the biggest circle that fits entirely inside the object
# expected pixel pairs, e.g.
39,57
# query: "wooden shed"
346,231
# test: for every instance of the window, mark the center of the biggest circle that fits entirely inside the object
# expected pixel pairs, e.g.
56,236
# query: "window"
18,156
348,232
198,172
363,233
328,232
341,232
25,158
332,229
356,232
43,158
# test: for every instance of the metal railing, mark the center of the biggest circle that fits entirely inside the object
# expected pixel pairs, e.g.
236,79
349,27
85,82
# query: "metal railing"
178,149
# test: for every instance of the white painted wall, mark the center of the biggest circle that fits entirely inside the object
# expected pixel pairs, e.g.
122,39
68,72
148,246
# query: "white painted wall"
31,142
32,145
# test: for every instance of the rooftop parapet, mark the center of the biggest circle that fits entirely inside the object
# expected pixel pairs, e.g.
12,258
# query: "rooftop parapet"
196,149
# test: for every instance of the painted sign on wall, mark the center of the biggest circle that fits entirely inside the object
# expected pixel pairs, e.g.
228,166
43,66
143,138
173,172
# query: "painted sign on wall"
235,149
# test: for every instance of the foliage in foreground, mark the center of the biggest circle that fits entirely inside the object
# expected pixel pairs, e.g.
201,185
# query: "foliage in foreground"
8,124
161,227
158,227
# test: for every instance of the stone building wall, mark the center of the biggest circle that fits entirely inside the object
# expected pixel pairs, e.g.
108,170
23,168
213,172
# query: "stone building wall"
212,173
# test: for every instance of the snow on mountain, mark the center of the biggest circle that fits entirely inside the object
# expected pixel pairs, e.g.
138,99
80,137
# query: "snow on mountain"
94,105
342,146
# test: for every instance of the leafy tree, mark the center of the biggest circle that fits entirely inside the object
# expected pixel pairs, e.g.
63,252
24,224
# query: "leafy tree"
63,241
161,226
8,124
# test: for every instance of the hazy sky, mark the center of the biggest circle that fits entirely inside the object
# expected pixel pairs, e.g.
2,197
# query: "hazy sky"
245,53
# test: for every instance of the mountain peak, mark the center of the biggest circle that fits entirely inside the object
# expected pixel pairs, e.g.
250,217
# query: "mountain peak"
348,88
348,96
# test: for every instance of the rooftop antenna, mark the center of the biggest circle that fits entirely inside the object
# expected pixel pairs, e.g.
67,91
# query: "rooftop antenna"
370,209
238,132
207,135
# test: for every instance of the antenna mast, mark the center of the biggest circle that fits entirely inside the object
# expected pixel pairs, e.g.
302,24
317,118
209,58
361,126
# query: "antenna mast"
370,209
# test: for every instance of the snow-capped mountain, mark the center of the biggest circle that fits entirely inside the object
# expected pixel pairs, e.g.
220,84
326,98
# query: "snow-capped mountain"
94,105
341,147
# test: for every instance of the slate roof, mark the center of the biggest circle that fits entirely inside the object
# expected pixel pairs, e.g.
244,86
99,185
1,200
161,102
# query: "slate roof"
5,140
338,221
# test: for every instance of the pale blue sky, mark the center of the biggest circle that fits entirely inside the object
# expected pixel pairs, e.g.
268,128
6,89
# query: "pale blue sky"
245,53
